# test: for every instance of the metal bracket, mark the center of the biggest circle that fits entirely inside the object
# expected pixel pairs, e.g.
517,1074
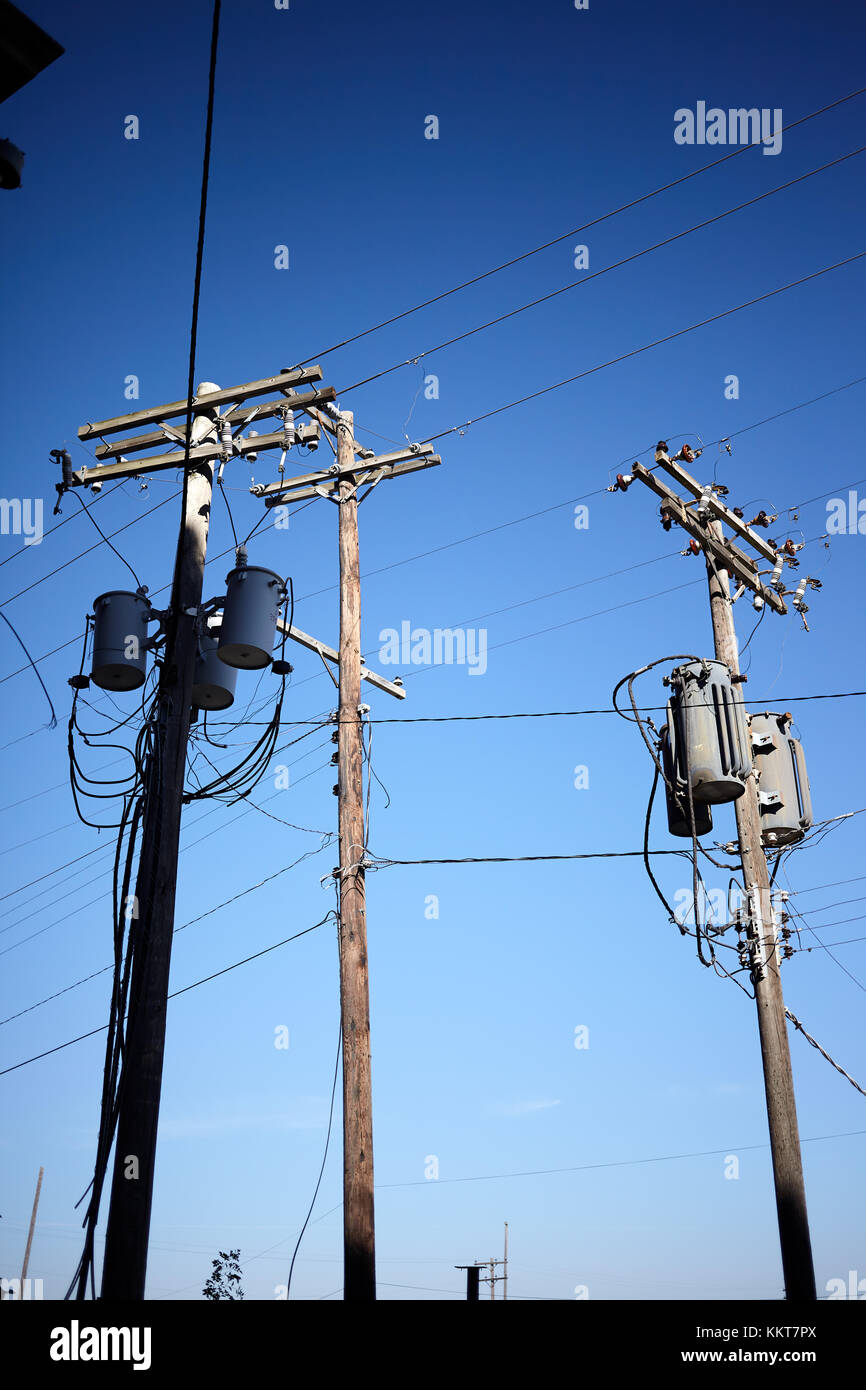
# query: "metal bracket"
769,800
762,743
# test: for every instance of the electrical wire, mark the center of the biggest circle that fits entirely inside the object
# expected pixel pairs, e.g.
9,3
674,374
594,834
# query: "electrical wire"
619,1163
324,1159
132,945
52,724
645,347
58,920
24,549
105,540
186,989
800,1029
503,525
575,231
595,275
373,861
574,713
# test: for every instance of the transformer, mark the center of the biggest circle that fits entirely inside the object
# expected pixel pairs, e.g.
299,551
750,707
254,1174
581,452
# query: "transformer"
254,597
679,811
708,732
120,640
784,798
214,681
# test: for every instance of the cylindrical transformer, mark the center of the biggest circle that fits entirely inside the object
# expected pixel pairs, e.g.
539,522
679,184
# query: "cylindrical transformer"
677,798
119,638
709,734
214,681
784,797
253,600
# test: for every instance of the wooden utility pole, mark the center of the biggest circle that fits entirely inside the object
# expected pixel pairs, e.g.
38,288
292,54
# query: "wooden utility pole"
505,1267
30,1232
701,514
128,1228
359,1256
775,1054
340,483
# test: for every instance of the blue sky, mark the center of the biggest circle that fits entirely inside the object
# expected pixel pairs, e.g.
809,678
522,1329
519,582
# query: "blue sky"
548,118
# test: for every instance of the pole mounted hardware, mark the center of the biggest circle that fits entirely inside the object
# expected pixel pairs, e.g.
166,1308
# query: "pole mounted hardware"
702,514
218,442
325,482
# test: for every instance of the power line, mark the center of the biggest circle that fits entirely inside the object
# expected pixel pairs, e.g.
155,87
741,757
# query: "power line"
858,381
24,549
600,492
504,525
105,540
618,1163
595,275
841,902
837,883
852,941
23,941
79,636
207,978
800,1029
372,861
575,231
52,724
646,347
605,709
324,1159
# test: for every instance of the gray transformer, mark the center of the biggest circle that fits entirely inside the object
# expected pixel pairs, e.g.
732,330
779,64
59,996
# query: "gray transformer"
783,789
214,681
708,732
677,798
119,640
254,597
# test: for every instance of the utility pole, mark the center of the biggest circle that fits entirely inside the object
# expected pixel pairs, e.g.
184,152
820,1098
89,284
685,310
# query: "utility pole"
126,1238
341,484
775,1053
212,437
30,1232
702,514
493,1278
214,413
505,1268
359,1271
